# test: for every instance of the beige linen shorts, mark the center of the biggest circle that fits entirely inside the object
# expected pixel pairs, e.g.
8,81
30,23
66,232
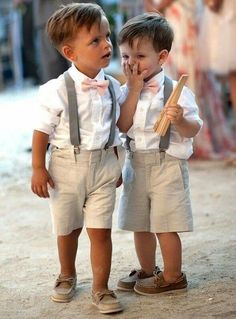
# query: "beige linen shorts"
85,189
155,195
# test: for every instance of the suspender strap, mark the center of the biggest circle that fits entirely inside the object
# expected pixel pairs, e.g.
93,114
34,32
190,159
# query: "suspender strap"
113,114
165,140
73,110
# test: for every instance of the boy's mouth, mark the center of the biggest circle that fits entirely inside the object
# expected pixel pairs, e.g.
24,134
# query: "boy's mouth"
107,56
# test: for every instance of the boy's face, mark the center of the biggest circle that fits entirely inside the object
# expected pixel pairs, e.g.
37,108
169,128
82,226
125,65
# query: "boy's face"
91,49
144,55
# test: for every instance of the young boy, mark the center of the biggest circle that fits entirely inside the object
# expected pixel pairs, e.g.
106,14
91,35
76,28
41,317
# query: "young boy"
82,177
155,200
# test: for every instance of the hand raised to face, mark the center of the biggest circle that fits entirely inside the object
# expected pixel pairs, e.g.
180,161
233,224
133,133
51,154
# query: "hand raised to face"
135,78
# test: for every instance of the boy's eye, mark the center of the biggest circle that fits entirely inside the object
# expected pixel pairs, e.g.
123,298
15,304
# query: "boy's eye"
140,56
125,57
95,41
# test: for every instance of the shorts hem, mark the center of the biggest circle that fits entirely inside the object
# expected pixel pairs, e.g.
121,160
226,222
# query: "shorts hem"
173,230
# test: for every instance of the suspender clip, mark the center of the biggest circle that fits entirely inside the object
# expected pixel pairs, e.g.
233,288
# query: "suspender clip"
76,150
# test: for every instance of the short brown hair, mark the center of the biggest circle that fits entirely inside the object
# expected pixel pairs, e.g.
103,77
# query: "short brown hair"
63,25
151,26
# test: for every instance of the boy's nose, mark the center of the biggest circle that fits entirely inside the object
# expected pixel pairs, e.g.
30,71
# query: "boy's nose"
132,61
108,44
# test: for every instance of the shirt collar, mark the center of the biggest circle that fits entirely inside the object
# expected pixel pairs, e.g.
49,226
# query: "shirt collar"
159,77
78,76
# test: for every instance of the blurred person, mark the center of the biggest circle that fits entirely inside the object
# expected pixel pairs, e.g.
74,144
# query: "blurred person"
182,18
30,70
215,140
51,62
217,37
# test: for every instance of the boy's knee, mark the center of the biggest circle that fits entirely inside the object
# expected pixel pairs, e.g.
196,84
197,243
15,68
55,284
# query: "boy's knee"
99,235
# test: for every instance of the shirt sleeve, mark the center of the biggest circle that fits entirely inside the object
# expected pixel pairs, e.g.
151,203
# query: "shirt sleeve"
188,103
124,93
50,106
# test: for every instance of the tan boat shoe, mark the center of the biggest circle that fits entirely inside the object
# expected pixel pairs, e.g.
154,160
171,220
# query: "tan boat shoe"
157,284
64,289
128,283
106,302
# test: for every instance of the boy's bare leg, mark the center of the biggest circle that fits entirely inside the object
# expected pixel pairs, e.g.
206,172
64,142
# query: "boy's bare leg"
171,250
67,248
145,245
100,254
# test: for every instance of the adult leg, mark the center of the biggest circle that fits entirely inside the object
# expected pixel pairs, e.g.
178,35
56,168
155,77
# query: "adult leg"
145,245
67,249
171,250
100,254
232,86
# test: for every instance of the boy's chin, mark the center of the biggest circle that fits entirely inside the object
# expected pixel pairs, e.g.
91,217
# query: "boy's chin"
105,64
151,75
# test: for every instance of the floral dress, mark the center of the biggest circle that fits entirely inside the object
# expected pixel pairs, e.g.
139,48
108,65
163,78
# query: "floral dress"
215,140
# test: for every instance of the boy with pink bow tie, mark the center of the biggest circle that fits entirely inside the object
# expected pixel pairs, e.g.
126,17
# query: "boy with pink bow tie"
155,201
77,115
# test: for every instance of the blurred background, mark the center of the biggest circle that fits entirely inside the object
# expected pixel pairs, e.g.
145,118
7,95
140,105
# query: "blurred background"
201,49
22,24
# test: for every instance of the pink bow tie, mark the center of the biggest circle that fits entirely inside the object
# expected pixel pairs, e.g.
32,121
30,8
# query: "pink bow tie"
101,86
152,86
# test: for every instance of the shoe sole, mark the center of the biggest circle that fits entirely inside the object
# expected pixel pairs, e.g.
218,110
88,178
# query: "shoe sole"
125,289
108,311
61,300
180,290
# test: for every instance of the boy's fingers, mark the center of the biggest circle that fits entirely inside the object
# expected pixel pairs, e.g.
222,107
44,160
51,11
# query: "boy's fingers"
143,74
135,69
50,182
173,108
41,191
38,191
127,70
32,188
44,192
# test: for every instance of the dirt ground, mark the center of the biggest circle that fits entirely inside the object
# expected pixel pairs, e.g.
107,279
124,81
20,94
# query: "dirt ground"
29,262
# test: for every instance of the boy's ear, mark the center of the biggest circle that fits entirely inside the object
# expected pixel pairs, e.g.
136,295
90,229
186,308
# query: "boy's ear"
68,53
163,55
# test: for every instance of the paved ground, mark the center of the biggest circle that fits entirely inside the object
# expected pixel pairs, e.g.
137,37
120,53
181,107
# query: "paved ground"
28,259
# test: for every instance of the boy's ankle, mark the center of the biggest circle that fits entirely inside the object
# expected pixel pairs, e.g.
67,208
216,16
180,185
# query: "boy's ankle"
148,272
67,275
171,277
99,289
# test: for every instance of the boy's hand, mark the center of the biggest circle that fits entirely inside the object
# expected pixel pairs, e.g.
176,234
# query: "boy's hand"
39,182
175,114
135,79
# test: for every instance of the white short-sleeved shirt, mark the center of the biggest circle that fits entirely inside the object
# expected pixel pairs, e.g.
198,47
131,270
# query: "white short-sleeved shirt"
148,111
94,112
